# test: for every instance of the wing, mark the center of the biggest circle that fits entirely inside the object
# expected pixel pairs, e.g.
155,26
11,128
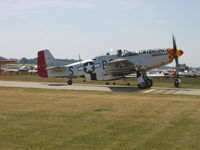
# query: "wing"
121,67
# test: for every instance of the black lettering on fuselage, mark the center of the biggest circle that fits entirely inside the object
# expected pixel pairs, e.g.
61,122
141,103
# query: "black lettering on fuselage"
104,62
71,70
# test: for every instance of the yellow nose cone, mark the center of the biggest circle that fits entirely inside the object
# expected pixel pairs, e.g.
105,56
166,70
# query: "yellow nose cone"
172,53
179,52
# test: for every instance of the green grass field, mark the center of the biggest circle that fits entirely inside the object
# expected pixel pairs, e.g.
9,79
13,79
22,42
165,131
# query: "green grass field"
158,82
41,119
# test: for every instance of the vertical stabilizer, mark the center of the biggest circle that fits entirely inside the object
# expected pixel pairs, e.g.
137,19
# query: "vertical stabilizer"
45,59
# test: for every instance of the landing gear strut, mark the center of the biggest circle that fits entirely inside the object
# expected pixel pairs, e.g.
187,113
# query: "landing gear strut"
142,80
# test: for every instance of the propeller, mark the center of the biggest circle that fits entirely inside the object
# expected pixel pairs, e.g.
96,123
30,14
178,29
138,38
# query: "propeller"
177,80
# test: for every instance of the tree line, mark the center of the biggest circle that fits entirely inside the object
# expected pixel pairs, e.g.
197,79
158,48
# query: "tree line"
25,60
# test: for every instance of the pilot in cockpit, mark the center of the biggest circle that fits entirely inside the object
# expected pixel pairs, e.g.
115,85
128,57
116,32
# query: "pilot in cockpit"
119,53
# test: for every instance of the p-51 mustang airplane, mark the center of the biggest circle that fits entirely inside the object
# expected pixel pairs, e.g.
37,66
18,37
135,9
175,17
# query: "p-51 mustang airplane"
112,66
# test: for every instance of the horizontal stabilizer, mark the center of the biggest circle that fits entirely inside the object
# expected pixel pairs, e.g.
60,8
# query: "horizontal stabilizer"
48,66
57,69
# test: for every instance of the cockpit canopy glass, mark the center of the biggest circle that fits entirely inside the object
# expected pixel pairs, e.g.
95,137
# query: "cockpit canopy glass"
128,53
120,52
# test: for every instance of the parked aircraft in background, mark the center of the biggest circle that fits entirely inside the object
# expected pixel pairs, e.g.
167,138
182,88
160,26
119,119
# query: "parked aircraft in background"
20,68
3,62
112,66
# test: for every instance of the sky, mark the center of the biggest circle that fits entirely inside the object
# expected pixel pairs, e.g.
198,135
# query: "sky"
91,27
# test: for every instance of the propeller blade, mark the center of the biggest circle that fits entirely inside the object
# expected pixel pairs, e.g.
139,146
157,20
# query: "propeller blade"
176,57
174,43
177,80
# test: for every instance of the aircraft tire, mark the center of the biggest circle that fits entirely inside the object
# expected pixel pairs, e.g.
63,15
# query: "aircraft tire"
149,83
142,85
69,82
177,83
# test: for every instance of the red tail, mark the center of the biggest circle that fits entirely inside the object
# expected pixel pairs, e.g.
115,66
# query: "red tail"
42,72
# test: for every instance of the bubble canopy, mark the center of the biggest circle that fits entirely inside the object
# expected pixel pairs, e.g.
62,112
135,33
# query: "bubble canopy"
120,52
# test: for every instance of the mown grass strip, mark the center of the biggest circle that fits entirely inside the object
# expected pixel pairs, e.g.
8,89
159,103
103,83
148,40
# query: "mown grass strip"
59,119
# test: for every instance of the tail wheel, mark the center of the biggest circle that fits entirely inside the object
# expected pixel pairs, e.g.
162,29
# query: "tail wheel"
69,82
142,85
149,83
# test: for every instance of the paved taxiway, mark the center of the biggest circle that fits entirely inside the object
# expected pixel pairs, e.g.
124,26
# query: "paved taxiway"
91,87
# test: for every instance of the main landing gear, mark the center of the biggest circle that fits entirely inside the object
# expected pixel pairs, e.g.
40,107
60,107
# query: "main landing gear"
177,83
143,81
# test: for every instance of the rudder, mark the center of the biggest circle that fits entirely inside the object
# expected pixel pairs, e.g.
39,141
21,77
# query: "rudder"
45,59
42,72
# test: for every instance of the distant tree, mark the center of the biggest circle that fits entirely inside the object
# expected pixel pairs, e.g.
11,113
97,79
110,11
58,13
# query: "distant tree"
28,61
2,58
24,60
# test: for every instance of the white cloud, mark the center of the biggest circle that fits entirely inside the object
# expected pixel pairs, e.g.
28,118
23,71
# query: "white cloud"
162,22
3,16
33,4
135,4
17,8
5,11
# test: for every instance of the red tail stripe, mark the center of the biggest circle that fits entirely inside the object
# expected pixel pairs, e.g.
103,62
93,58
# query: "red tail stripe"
42,72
